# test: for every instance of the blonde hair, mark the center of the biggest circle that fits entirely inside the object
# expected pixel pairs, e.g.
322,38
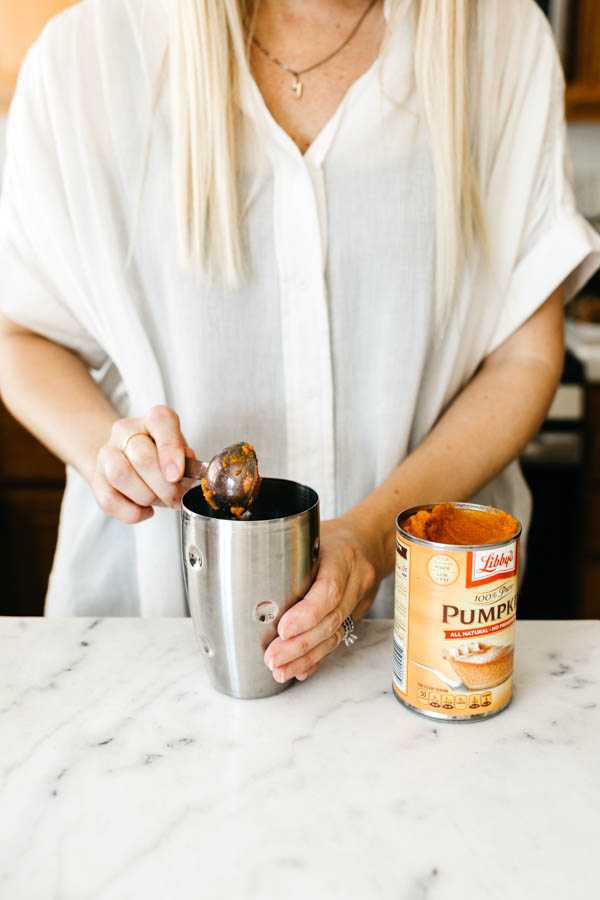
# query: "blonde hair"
209,49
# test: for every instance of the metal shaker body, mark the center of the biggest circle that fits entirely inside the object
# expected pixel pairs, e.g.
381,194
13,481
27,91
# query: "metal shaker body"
242,575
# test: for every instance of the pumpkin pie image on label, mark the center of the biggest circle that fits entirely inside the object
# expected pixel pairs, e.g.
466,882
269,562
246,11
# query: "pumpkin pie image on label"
480,665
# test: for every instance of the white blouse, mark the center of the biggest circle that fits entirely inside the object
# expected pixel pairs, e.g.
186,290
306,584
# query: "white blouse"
327,359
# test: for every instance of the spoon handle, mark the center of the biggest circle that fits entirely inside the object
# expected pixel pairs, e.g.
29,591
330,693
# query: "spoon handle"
195,468
453,685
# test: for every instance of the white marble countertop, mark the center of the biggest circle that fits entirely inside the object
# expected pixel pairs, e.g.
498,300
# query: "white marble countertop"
124,775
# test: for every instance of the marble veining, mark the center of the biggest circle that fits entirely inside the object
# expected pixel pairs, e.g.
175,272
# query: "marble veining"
124,775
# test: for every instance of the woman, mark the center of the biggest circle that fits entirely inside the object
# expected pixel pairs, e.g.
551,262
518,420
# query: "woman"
358,264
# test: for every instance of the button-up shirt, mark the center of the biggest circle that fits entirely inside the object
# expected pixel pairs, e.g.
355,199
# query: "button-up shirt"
328,357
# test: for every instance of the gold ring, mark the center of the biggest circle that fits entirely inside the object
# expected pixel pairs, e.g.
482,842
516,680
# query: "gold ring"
135,434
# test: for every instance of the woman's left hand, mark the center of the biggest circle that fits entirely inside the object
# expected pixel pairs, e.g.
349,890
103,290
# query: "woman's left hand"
345,585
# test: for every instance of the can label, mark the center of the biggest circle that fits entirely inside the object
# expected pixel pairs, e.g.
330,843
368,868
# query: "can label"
454,625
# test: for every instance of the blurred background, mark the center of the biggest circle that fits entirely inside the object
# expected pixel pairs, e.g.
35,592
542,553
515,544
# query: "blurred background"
562,464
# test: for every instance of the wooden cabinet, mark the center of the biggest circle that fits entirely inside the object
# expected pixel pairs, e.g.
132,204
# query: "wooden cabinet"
590,599
583,65
31,488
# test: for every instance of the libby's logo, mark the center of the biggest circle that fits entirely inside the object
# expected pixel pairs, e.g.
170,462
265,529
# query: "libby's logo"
495,561
488,565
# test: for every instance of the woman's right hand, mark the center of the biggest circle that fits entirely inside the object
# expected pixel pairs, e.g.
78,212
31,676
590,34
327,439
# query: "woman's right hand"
140,466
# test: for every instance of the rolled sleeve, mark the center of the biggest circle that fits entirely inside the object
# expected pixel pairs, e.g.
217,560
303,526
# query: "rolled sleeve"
554,245
567,255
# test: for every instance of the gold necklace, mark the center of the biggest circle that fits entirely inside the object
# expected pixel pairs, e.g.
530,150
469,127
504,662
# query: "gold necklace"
298,86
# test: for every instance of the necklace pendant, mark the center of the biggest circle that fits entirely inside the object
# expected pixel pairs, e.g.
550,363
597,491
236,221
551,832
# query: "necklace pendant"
298,87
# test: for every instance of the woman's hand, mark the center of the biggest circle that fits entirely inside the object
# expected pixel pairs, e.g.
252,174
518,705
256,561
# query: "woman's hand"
345,585
141,465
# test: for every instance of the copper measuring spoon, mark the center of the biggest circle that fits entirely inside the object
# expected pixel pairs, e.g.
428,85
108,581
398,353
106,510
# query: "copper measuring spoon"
230,481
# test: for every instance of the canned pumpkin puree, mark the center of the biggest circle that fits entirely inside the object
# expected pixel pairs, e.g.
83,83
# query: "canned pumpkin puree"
455,609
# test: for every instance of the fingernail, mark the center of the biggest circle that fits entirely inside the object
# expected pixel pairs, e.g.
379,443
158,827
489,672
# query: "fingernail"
172,472
271,664
279,676
301,677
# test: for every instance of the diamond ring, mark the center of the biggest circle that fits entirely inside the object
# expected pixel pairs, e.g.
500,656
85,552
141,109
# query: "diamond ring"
349,637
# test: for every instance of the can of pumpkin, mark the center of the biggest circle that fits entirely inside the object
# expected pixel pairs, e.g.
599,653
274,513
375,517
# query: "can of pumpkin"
455,610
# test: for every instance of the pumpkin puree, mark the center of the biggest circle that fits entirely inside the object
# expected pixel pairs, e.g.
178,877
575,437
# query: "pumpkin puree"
448,524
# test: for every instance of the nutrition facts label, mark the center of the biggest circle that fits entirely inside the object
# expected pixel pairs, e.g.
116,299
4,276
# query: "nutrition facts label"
401,601
458,702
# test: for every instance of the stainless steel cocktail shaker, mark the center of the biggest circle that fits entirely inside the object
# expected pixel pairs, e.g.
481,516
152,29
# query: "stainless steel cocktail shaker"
242,575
